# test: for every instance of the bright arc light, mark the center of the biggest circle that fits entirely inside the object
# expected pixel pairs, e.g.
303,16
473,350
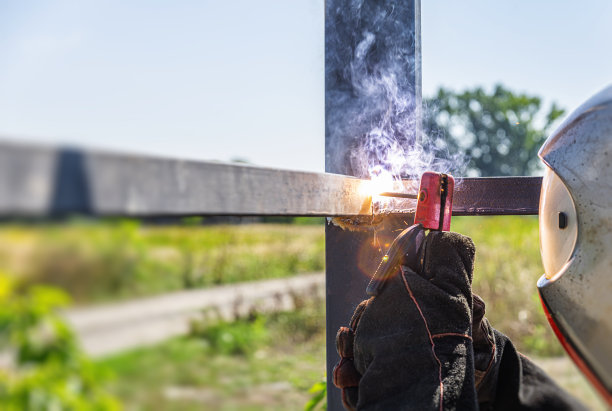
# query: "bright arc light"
377,185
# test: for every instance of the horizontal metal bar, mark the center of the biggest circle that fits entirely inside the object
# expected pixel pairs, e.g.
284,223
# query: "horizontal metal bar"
41,181
497,196
476,196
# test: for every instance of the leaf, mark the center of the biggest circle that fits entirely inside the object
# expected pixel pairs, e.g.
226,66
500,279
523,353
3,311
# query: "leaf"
319,391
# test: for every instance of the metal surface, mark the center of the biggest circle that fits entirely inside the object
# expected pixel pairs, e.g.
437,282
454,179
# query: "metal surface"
481,196
497,196
43,181
392,30
577,288
398,195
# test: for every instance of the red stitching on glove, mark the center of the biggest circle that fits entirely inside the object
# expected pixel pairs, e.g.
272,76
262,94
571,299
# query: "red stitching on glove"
433,345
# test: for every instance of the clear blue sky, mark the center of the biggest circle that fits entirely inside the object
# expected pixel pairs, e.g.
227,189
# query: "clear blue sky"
244,79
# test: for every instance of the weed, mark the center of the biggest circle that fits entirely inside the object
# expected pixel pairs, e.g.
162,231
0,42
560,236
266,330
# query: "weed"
240,337
319,394
47,370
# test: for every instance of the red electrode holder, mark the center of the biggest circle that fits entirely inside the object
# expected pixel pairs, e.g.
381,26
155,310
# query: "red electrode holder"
435,201
433,212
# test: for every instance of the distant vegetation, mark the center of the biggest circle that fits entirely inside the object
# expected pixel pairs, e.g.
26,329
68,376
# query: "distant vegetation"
506,270
500,130
116,260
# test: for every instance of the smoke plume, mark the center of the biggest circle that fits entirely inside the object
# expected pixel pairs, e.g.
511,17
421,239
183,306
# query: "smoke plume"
373,103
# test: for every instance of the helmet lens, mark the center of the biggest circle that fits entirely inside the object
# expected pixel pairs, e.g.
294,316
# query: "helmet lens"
558,225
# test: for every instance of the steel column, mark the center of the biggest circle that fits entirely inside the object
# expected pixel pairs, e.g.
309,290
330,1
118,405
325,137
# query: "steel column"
351,26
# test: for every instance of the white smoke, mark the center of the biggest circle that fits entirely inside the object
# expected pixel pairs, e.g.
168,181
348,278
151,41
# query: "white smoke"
373,118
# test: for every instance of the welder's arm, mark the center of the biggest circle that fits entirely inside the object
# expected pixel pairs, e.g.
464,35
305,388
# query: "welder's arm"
410,347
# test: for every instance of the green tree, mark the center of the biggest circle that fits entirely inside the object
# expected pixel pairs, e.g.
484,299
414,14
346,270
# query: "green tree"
500,132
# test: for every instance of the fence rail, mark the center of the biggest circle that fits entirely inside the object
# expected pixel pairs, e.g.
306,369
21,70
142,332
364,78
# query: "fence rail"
38,181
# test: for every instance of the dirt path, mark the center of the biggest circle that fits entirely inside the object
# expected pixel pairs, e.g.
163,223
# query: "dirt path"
111,328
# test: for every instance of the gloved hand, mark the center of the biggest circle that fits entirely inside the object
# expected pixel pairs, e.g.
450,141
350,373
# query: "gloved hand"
410,347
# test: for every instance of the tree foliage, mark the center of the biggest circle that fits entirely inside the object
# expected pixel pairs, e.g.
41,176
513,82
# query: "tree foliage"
500,131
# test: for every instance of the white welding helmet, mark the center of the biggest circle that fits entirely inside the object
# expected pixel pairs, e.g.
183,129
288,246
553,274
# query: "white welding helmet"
576,237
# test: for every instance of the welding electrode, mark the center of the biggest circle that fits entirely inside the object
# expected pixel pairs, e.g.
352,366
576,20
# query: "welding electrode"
399,195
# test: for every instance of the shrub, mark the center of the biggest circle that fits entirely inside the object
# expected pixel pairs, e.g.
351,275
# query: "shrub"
240,337
48,370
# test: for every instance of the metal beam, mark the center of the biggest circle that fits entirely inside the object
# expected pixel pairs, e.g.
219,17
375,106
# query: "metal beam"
43,181
497,196
479,196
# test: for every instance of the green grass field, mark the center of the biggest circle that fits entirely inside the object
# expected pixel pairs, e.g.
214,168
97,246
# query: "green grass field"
118,260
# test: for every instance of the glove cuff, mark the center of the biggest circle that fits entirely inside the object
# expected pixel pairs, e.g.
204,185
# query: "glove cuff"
485,350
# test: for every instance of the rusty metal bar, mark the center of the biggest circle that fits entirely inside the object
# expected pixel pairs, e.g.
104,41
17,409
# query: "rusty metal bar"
482,196
497,196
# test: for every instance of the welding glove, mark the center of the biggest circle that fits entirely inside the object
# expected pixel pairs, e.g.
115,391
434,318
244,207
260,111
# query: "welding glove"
411,347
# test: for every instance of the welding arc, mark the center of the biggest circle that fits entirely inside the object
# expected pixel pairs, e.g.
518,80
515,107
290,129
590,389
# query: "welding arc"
400,195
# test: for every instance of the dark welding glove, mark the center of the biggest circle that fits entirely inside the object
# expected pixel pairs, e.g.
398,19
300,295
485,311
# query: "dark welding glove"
410,347
503,378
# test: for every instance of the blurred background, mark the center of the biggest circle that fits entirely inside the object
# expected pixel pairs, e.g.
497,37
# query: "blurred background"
243,81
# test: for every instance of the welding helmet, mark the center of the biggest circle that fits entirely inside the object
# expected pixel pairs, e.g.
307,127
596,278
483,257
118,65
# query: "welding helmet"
576,237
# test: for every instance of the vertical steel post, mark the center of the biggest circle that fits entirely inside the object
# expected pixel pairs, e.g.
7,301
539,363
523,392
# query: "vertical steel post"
349,25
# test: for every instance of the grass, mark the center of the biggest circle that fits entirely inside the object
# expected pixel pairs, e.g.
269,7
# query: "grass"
259,363
118,260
